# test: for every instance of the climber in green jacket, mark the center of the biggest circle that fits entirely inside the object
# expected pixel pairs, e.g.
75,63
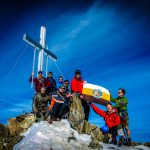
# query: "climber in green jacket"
121,103
40,105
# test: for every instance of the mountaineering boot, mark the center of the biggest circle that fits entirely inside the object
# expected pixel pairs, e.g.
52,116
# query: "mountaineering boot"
114,141
106,138
129,142
121,141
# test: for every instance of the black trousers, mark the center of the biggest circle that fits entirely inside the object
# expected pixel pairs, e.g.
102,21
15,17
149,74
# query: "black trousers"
86,109
59,109
113,131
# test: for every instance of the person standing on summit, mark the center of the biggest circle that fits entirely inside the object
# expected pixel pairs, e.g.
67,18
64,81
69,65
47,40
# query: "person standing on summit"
40,81
121,105
66,84
76,87
52,87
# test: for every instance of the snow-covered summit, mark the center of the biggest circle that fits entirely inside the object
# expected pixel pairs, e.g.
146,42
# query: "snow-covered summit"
60,136
56,136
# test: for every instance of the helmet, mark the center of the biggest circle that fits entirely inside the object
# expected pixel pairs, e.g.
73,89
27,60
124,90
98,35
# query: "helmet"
105,129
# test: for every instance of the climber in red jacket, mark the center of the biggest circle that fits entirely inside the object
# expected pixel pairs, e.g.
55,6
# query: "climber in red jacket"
77,82
76,87
112,120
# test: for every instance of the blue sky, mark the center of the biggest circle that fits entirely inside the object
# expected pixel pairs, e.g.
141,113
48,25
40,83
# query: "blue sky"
108,41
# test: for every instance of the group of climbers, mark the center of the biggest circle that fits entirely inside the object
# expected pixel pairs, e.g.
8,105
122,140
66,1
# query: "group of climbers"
53,103
48,99
61,94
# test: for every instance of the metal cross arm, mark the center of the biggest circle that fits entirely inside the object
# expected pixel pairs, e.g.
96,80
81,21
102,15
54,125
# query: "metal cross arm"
39,46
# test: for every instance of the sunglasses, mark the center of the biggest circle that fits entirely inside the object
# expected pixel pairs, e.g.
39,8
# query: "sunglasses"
119,92
66,83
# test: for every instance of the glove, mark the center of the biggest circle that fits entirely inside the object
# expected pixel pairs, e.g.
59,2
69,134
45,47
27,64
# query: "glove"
78,94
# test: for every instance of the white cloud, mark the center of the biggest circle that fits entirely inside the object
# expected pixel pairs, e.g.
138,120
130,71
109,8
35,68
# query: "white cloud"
79,27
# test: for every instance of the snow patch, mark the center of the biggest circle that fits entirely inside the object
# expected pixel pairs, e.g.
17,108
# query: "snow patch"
115,147
60,136
56,136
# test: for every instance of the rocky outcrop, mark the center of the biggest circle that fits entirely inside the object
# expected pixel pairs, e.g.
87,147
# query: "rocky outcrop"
20,124
136,143
11,134
76,114
147,144
77,121
7,141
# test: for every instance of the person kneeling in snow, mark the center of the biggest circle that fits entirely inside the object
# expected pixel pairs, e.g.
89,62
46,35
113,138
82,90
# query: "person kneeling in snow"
40,105
59,104
112,120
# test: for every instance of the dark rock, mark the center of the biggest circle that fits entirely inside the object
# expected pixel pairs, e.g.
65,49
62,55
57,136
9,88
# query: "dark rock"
4,135
112,148
4,131
136,143
12,141
20,118
147,144
72,137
